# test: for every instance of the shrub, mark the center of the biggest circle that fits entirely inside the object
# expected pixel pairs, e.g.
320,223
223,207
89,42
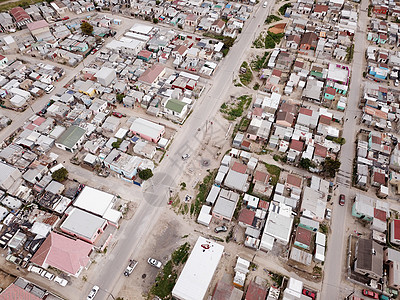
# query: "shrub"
60,175
145,174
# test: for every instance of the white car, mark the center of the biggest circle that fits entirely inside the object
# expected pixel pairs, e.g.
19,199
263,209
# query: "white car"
34,269
154,262
328,214
93,293
60,281
265,4
47,275
185,156
49,89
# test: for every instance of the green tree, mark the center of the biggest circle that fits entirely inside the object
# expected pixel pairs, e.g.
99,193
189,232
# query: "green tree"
117,143
86,28
155,20
120,98
145,174
330,166
306,163
228,41
60,175
158,2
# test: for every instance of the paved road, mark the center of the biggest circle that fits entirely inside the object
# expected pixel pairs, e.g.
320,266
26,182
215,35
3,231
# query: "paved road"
335,261
156,192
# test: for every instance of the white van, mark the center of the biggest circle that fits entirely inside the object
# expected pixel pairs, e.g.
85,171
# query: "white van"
265,4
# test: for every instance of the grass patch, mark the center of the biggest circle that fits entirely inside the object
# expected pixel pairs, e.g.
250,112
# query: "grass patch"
243,124
275,172
267,41
235,110
246,77
181,254
271,19
204,188
323,228
165,280
283,8
350,53
22,3
260,62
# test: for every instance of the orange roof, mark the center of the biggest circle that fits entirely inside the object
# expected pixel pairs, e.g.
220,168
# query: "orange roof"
240,168
375,112
293,180
151,74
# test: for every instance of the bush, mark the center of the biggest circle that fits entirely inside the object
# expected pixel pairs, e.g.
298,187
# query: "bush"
120,97
283,8
60,175
256,86
86,28
272,18
155,20
145,174
116,144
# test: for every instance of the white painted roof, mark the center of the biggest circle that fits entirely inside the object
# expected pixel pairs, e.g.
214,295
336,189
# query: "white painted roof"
199,270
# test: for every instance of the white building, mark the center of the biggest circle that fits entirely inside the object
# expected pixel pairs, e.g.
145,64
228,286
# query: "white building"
105,76
199,270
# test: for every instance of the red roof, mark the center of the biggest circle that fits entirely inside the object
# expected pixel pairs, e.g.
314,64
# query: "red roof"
63,253
37,25
19,14
293,180
296,145
39,121
379,178
152,73
145,53
260,176
14,292
320,150
396,230
238,167
305,111
246,216
303,236
256,292
325,120
246,144
276,73
331,91
380,214
257,111
262,204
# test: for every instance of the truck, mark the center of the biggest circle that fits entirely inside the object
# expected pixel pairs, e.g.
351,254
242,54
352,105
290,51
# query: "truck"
131,266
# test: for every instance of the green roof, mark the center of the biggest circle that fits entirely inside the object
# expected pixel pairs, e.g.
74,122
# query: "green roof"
71,136
175,105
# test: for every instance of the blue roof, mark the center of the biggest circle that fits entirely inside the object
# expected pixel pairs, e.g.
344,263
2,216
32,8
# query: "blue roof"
228,5
135,139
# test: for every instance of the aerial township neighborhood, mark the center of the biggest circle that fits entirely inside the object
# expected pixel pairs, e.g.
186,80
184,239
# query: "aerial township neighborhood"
199,149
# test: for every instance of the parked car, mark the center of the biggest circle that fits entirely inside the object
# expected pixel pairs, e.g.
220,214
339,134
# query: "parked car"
34,269
220,229
49,88
154,262
370,294
117,114
342,199
47,275
383,297
129,269
60,281
93,293
185,156
310,294
328,214
65,18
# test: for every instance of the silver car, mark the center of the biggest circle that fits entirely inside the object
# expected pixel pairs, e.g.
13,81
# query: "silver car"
154,262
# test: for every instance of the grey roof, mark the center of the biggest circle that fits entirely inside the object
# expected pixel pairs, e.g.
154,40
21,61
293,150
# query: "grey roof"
82,223
237,181
226,203
370,256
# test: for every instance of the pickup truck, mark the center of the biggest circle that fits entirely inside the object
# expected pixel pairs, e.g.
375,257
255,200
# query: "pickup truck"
129,269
